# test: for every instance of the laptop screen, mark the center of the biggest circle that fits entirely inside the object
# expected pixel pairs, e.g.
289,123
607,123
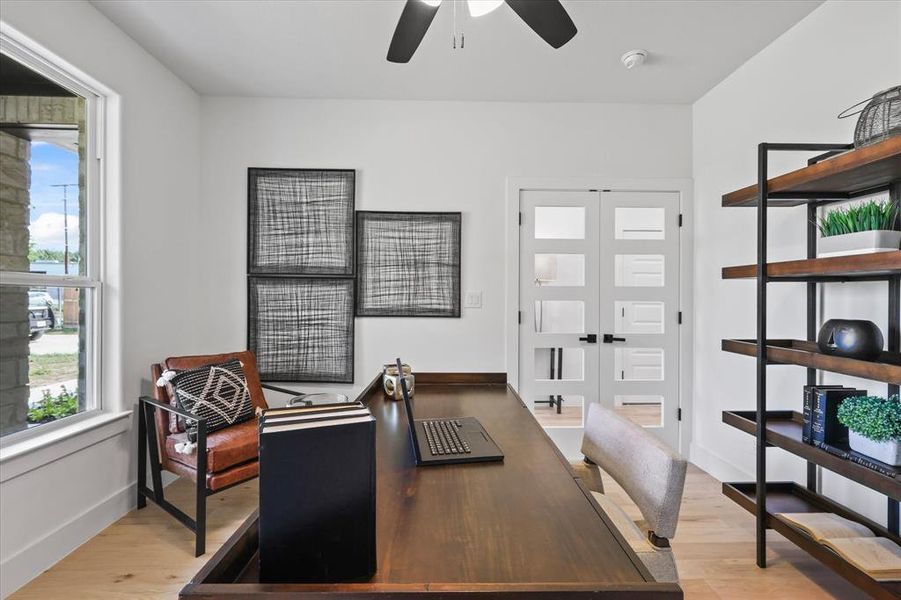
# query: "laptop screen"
402,381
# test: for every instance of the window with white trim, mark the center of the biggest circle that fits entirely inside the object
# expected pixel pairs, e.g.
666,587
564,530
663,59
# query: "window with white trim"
50,276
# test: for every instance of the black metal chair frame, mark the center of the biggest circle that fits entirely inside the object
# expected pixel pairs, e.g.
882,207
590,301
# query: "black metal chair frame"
147,441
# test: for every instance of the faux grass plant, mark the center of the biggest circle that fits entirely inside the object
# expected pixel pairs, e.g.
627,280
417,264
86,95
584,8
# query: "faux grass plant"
872,417
869,216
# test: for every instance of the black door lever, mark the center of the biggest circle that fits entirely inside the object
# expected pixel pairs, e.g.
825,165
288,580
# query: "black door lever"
609,339
591,338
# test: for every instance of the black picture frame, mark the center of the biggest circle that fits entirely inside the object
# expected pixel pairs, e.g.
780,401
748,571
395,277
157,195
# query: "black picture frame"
408,264
301,222
302,328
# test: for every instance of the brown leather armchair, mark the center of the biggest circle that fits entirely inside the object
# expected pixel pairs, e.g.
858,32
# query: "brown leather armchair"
223,458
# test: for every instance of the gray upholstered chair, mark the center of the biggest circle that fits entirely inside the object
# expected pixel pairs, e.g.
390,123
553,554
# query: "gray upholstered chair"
651,473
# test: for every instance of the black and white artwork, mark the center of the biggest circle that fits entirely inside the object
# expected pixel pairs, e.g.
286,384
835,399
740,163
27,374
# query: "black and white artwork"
300,222
408,264
302,328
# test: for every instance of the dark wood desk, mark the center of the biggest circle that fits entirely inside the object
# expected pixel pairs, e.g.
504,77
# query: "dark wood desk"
526,527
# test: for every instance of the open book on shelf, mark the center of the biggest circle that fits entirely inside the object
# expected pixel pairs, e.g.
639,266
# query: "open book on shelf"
878,557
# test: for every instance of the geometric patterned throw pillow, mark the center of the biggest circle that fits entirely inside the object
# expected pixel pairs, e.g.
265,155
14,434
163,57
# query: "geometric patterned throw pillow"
217,393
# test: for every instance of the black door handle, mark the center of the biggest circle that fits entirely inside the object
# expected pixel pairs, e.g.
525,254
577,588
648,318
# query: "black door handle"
609,339
591,338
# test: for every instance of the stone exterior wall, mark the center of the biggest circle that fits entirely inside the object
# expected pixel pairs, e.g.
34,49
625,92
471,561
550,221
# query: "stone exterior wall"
15,179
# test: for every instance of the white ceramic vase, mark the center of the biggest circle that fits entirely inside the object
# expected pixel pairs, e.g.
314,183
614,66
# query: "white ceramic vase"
861,242
888,452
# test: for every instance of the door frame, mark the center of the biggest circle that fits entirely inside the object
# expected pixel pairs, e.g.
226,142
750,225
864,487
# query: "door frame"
685,188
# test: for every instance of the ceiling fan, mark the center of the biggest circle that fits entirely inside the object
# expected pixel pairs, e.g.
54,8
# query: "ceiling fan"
547,18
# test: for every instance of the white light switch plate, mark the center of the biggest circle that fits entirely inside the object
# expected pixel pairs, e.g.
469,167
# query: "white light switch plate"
473,300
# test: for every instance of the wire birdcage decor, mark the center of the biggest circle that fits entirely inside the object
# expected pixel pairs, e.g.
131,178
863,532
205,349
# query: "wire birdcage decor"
879,120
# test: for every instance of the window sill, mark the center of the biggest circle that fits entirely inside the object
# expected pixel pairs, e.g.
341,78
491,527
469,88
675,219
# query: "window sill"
21,457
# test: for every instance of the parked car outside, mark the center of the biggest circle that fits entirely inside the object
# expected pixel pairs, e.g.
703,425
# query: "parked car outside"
41,313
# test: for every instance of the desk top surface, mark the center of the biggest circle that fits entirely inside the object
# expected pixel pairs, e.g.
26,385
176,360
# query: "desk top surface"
527,520
522,520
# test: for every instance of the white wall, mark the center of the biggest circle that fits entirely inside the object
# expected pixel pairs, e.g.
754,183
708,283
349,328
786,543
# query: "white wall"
409,156
790,92
50,510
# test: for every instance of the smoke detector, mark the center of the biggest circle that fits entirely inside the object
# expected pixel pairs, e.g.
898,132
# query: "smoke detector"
634,58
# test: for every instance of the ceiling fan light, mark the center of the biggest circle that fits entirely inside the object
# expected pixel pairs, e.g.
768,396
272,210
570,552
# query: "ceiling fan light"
478,8
431,2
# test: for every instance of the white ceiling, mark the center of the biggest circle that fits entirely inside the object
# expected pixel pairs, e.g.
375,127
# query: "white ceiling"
336,48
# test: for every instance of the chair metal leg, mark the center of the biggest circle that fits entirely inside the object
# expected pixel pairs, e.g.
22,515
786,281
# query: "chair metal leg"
153,449
142,456
200,517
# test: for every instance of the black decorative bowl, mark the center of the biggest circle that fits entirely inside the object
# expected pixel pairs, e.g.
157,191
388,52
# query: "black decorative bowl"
851,339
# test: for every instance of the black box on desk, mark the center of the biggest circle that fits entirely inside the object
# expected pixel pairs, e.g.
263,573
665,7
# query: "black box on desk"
317,496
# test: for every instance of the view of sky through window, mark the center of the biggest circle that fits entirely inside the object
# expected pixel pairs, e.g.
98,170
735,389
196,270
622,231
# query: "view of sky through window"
53,165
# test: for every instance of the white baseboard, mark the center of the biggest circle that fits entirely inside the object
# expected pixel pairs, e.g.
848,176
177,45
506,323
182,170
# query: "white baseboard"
717,466
40,555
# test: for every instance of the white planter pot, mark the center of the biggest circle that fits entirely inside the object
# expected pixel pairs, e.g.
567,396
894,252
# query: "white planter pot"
888,452
862,242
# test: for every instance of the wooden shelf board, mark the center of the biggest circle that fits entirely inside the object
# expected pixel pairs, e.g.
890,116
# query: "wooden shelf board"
783,430
853,171
859,265
806,354
791,497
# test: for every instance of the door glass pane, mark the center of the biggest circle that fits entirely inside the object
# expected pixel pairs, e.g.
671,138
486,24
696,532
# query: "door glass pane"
639,223
560,222
560,363
639,270
559,410
560,270
559,316
638,364
638,316
644,410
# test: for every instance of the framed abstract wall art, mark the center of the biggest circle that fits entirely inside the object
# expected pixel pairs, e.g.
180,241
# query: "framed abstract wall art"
408,264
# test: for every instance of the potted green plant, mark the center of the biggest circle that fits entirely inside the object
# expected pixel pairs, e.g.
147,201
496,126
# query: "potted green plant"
860,229
874,426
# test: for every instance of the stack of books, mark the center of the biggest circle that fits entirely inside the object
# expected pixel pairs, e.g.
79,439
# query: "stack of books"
821,426
317,494
878,557
822,429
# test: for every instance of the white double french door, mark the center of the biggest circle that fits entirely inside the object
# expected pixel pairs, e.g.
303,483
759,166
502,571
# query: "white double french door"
599,309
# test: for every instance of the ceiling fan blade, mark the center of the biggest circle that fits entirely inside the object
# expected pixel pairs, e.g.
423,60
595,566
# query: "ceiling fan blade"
411,27
547,18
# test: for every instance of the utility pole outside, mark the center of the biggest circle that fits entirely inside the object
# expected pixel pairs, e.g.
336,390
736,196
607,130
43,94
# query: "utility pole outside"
65,187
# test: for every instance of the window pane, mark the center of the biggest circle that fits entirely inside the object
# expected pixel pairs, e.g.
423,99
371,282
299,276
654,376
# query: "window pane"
556,270
639,270
559,363
42,174
638,316
43,347
646,411
559,316
560,222
639,223
638,364
557,410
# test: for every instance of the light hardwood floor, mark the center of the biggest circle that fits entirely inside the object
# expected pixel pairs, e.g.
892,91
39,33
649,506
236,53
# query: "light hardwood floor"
147,554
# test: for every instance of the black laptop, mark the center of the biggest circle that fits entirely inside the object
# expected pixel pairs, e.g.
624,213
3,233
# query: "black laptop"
447,441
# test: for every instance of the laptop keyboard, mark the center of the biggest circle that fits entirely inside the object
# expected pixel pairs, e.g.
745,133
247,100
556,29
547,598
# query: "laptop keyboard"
443,438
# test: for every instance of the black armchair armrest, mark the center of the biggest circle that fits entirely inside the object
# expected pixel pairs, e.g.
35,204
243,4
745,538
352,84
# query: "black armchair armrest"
293,393
172,409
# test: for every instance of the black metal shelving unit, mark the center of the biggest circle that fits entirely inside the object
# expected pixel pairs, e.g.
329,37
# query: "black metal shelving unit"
837,174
